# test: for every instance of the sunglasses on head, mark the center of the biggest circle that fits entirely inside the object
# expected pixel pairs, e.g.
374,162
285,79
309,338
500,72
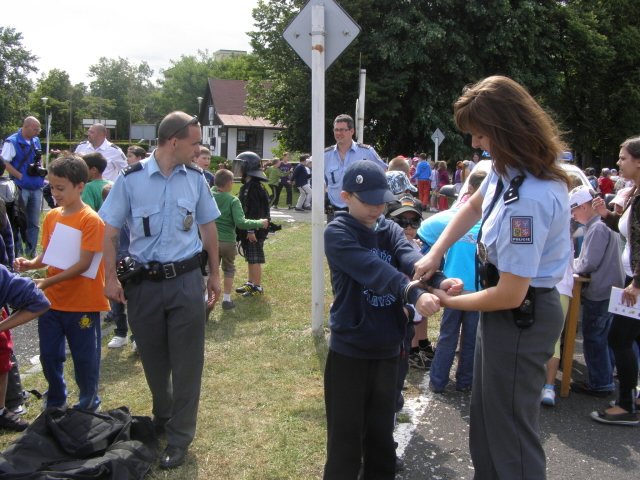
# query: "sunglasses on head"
193,121
404,222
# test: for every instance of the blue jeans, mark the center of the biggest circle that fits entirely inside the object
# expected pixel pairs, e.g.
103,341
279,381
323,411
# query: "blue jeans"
32,202
119,315
82,331
446,348
596,322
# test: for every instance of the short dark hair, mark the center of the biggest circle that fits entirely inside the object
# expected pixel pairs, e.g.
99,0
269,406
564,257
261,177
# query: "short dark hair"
71,167
222,177
303,157
176,125
346,119
95,160
137,151
3,166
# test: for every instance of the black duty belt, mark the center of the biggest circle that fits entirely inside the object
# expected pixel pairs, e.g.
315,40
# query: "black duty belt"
157,271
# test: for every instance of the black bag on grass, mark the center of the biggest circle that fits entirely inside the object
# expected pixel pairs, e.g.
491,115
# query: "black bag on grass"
78,444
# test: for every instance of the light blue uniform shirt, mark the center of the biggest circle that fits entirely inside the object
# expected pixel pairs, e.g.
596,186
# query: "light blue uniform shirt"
528,237
165,202
334,167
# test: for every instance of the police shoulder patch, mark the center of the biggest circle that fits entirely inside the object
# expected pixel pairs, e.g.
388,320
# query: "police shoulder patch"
522,230
364,145
328,149
136,167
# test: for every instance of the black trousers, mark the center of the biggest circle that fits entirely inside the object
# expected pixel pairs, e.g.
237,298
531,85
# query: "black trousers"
360,400
622,335
287,186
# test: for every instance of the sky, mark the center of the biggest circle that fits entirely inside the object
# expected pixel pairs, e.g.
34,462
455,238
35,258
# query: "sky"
72,35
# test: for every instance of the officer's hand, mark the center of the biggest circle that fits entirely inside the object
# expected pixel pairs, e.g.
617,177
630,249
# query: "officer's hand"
213,290
427,304
113,291
265,223
427,266
252,237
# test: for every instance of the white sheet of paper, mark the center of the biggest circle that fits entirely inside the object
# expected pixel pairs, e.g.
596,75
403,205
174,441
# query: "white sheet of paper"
64,250
616,306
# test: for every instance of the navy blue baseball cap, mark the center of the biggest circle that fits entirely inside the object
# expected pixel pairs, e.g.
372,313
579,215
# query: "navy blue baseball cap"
368,180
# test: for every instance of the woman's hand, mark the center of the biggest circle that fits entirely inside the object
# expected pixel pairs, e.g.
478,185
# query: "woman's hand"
427,266
630,295
598,205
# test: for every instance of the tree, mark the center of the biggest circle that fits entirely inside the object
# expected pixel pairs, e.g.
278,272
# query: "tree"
119,91
185,80
16,63
418,55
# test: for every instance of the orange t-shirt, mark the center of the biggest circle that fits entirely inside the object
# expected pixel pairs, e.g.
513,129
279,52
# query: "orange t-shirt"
78,294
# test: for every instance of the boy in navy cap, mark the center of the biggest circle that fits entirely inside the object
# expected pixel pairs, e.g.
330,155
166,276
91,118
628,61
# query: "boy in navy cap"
371,263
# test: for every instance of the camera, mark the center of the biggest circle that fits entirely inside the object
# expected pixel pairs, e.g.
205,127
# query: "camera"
36,169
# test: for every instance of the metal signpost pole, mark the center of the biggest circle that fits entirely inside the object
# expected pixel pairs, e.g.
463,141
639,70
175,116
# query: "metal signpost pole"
317,151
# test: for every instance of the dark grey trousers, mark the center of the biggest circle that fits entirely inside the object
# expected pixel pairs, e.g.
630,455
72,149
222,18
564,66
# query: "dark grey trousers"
167,319
509,373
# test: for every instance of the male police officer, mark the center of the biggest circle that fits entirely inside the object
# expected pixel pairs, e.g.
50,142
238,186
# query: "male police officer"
23,156
338,158
165,200
97,142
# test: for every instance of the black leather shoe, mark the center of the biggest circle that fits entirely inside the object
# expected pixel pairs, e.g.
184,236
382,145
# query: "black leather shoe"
172,457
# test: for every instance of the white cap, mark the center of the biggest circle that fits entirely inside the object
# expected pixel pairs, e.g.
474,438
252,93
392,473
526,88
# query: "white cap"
579,196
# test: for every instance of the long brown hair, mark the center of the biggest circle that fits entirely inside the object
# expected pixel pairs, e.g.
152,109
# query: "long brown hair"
523,136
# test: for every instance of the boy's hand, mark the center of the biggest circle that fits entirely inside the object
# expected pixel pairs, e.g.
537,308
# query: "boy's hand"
40,283
21,264
453,286
441,295
265,222
252,237
427,304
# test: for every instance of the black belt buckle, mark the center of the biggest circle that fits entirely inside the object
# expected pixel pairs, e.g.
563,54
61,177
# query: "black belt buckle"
169,271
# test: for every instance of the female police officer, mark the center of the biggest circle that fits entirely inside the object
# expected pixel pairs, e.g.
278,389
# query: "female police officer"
524,248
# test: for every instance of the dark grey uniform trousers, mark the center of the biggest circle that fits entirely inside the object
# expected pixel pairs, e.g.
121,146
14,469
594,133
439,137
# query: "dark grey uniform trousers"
509,373
167,319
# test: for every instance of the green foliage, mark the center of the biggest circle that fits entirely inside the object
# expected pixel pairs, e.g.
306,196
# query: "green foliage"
16,63
579,58
187,78
119,91
218,162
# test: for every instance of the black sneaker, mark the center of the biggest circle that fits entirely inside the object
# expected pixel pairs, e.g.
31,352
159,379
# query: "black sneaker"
12,422
253,291
616,418
244,288
420,361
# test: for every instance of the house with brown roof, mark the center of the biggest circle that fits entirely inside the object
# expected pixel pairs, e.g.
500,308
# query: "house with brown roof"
226,127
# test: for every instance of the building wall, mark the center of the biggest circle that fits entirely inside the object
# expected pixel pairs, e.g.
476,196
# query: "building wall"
232,143
270,143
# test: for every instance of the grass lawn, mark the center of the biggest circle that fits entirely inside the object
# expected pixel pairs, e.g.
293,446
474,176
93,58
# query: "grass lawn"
262,406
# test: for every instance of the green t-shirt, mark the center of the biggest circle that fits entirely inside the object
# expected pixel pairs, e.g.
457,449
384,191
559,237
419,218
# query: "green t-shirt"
231,216
92,193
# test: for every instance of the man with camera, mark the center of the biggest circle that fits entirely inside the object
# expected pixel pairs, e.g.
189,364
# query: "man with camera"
23,156
116,160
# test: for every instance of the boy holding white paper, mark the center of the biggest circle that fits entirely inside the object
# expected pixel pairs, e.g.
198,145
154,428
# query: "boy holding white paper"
76,299
600,260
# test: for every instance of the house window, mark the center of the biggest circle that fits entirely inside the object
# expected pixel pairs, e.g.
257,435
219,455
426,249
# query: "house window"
250,140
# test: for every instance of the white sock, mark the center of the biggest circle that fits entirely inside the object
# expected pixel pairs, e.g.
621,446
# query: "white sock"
226,297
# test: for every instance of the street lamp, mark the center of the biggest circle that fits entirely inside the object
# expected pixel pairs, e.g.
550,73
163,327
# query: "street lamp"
199,104
46,122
